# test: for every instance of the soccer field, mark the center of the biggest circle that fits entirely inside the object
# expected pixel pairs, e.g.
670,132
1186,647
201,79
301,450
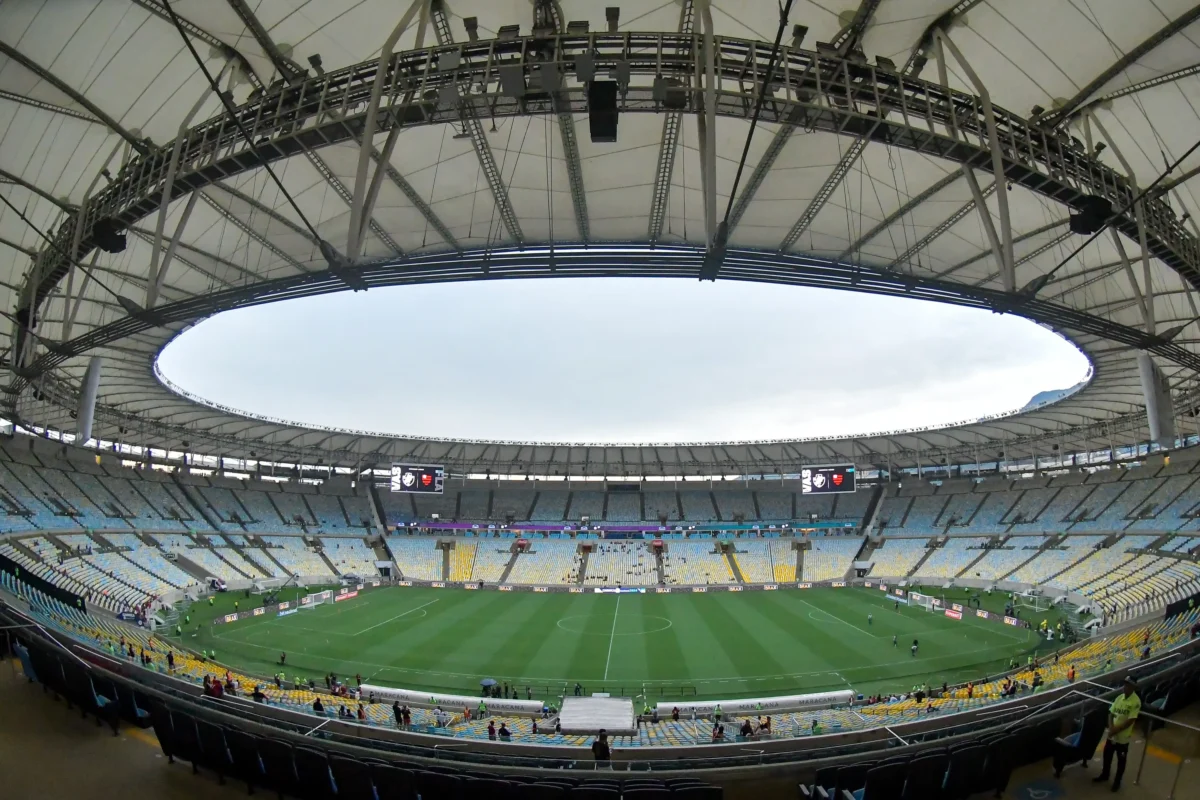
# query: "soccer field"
715,644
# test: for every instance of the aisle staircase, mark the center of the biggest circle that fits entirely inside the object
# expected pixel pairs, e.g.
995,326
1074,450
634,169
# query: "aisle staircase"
930,548
332,569
583,565
733,566
445,563
512,562
658,567
998,541
800,559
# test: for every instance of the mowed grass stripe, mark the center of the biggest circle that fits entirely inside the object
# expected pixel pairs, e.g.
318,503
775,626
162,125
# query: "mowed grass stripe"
724,643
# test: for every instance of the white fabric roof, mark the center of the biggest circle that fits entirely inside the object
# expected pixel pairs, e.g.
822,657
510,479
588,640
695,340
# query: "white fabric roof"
126,60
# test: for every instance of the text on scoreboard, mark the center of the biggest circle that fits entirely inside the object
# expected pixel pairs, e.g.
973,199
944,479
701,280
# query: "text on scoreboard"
831,479
417,478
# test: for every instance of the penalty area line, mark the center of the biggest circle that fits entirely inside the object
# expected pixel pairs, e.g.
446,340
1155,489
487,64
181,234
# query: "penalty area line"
393,619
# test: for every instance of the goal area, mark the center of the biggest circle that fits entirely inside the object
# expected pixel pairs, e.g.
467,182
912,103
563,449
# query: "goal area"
1035,602
268,585
925,601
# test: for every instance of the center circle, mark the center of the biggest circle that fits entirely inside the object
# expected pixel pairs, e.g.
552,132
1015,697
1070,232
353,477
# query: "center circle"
609,629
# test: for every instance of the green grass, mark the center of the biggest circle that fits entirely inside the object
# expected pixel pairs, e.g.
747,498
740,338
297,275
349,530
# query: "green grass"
716,644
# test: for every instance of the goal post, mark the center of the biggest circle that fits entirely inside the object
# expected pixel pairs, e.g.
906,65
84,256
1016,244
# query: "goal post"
925,601
1035,602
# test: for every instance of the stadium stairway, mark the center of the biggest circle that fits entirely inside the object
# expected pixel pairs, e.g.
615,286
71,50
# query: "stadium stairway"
733,566
190,567
931,547
508,568
199,506
445,561
583,565
995,541
800,558
271,560
334,570
231,565
1035,554
659,568
24,550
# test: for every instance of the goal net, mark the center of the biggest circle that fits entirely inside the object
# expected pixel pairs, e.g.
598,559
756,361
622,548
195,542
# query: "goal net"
314,600
925,601
267,585
1035,602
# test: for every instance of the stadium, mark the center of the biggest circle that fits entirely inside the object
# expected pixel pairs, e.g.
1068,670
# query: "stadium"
958,604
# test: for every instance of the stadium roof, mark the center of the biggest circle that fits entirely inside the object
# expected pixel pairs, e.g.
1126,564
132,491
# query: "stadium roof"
863,174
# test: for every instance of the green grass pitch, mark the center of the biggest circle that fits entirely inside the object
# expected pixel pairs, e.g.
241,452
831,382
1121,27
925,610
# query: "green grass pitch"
714,644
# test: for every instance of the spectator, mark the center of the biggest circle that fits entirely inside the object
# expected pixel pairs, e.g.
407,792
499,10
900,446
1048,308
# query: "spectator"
258,695
396,712
600,748
318,706
491,729
504,732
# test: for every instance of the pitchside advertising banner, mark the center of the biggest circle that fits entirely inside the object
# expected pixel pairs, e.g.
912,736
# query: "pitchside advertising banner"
952,614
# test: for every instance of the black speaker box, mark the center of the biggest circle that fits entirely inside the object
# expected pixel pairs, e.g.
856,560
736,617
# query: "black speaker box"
602,110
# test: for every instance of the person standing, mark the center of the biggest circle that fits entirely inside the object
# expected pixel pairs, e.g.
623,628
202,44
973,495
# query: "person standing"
600,748
1121,715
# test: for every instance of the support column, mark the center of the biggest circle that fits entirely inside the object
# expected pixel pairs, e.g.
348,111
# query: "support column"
1007,266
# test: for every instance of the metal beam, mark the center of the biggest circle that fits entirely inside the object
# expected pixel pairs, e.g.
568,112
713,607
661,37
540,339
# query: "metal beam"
474,129
764,166
982,254
51,107
155,7
52,79
840,171
850,37
1031,255
1149,83
1004,241
26,250
42,193
900,213
249,230
566,128
919,57
942,227
288,69
1072,106
292,73
707,124
672,124
148,236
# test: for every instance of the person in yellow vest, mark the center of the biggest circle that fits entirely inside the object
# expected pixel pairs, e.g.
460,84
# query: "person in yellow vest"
1121,715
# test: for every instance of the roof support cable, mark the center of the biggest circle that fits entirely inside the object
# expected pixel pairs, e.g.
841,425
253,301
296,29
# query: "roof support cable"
712,260
1036,285
336,260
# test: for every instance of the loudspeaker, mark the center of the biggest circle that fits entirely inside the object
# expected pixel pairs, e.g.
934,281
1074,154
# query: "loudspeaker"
107,237
1093,213
602,110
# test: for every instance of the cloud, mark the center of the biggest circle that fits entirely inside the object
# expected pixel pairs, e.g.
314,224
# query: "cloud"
619,360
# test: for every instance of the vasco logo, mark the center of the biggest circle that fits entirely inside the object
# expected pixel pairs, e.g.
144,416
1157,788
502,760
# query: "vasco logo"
408,479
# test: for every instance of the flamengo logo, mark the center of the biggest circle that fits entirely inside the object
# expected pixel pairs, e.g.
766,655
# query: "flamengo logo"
952,614
345,596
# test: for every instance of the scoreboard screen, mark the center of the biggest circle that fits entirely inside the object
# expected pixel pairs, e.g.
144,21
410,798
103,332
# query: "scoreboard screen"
827,480
417,478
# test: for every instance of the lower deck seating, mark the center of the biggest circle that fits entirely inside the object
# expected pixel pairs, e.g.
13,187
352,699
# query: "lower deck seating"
547,562
696,563
830,557
418,559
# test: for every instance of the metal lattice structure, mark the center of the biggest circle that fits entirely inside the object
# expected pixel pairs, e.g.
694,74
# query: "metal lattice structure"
869,177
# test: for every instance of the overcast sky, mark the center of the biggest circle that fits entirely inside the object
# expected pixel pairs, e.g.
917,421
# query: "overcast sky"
627,360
